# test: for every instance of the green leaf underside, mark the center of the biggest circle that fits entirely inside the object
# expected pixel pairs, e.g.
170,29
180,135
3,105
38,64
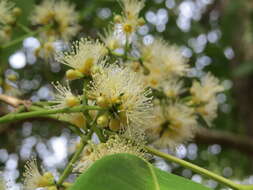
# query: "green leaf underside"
128,172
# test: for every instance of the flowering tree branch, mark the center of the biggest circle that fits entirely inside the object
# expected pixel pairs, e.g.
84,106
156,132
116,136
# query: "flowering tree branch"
15,117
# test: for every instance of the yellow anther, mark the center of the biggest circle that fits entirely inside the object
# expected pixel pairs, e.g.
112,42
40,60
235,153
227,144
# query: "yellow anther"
128,28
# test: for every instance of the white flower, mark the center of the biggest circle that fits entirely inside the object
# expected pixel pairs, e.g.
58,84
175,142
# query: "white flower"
208,111
115,145
163,62
7,18
123,92
132,8
173,87
64,97
126,25
206,90
61,15
6,11
34,179
83,55
174,124
111,39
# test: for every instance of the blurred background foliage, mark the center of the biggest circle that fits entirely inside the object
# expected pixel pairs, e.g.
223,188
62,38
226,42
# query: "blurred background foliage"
215,35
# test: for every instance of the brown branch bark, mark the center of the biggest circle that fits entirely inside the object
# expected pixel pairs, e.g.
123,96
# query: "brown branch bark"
239,142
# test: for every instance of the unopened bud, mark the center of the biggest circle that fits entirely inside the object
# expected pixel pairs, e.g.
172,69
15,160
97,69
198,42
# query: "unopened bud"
12,77
117,19
114,124
146,71
72,74
87,65
102,120
101,101
46,180
79,120
141,22
16,11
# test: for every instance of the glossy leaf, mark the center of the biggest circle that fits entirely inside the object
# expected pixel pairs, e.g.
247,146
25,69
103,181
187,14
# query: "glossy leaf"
128,172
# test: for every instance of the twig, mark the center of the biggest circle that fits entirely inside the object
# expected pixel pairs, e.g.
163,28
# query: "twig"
20,116
199,170
13,101
211,136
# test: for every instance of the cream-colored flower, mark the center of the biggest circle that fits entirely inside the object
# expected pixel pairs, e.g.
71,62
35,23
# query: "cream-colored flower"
208,88
33,179
156,75
84,55
122,92
115,145
61,17
174,124
7,18
64,97
6,14
111,39
132,8
46,50
208,111
163,62
127,24
173,88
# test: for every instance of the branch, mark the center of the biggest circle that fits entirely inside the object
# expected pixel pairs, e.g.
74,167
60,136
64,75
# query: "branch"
239,142
20,116
70,165
13,101
199,170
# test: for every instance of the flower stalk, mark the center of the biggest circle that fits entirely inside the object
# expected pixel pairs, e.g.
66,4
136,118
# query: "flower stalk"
21,116
69,167
199,170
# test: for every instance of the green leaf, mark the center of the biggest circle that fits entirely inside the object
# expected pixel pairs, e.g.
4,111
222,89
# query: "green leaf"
128,172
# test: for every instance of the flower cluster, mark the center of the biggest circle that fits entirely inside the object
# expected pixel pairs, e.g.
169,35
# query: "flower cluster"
149,92
84,55
60,16
59,21
123,93
115,145
8,14
147,95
